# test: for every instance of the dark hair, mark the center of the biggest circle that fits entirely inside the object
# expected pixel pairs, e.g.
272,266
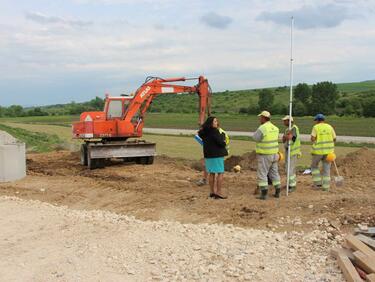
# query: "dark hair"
207,125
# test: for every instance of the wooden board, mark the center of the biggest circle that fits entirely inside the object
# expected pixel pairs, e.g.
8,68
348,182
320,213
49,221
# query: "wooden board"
367,240
348,269
370,277
355,244
370,231
367,263
335,252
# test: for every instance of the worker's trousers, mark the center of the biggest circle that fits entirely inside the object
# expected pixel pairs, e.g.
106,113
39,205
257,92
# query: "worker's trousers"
319,179
292,169
267,165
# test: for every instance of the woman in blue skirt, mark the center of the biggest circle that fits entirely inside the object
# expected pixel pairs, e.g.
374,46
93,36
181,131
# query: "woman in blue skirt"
214,151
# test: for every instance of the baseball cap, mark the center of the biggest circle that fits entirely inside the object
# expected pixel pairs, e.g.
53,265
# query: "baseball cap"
319,117
287,118
265,114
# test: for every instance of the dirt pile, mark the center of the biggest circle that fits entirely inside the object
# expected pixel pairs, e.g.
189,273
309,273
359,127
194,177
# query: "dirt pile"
247,161
358,163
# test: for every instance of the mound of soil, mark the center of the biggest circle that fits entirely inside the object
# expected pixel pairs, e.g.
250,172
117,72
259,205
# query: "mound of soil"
247,161
358,163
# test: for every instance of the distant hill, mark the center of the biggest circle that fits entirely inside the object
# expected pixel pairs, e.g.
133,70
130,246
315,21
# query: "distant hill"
352,96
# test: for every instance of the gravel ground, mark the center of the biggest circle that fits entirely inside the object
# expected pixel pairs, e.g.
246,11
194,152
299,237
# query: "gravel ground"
42,242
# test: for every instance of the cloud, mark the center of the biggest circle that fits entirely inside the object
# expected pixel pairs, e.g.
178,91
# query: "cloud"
44,19
216,21
309,17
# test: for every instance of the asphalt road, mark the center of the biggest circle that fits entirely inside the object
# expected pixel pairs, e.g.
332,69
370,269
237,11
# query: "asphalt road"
304,137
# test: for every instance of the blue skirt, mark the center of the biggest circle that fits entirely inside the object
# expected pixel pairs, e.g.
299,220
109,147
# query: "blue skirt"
214,165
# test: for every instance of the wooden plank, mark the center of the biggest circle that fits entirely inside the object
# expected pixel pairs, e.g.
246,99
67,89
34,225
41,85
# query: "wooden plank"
355,244
367,263
335,252
370,231
348,269
370,277
367,240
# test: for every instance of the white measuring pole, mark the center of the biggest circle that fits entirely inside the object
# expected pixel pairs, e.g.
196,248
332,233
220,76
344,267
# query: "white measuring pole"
290,103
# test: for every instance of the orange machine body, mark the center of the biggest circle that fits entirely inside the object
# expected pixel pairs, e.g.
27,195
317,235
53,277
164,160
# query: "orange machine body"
123,117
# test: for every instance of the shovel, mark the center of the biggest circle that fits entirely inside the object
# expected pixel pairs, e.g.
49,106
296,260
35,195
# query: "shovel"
339,180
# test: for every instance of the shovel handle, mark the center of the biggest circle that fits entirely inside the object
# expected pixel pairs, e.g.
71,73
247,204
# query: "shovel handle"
337,171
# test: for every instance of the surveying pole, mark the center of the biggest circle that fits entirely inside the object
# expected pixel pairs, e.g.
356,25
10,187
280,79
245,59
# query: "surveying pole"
290,103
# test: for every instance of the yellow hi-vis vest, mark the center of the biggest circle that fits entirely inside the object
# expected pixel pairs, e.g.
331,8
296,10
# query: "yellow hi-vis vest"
226,138
269,144
295,147
324,139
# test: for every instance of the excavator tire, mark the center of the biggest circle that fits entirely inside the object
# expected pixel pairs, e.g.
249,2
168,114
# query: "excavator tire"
150,160
144,160
84,154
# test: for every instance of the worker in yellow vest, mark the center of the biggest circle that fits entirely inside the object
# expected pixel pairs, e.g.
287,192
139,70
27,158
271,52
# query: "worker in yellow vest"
267,149
295,150
323,137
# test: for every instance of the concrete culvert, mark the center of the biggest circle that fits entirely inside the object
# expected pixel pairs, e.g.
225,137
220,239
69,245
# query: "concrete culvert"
12,158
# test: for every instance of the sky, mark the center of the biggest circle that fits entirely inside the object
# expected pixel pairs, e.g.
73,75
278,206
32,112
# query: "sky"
73,50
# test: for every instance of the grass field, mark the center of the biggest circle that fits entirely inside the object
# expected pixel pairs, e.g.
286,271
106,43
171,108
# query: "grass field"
173,146
344,125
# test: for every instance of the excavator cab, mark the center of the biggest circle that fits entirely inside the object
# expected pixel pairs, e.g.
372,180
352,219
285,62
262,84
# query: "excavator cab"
116,107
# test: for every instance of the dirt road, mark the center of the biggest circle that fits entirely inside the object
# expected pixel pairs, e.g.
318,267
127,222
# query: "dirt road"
41,242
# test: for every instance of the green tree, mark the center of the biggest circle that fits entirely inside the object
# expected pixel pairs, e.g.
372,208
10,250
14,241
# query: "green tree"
302,92
299,109
324,96
14,111
369,108
266,98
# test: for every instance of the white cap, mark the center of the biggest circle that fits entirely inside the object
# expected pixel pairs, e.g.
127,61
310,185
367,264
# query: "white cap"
287,118
265,114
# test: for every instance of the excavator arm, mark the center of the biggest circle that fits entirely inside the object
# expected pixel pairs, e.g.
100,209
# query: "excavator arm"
154,86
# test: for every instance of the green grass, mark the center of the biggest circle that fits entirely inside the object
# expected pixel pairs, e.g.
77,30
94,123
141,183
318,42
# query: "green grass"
35,141
356,86
351,126
53,120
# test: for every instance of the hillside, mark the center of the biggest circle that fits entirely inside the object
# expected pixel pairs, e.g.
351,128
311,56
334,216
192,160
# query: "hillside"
351,97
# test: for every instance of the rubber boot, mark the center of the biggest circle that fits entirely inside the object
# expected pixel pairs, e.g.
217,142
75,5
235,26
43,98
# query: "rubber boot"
277,192
263,194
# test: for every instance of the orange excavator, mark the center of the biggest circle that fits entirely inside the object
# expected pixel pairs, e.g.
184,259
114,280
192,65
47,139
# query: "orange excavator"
105,134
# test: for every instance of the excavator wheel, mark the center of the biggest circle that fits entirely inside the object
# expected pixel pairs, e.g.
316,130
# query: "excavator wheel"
150,160
145,160
95,163
84,154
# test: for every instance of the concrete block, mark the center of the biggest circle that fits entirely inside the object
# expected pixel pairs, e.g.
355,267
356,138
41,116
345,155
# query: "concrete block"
12,158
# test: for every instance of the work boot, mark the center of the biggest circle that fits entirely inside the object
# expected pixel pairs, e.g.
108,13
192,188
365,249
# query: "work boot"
277,192
263,194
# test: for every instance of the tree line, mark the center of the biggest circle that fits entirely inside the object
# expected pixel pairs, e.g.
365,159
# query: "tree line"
71,108
322,97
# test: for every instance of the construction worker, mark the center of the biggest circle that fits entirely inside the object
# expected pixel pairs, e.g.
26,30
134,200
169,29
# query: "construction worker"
323,137
267,148
295,150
